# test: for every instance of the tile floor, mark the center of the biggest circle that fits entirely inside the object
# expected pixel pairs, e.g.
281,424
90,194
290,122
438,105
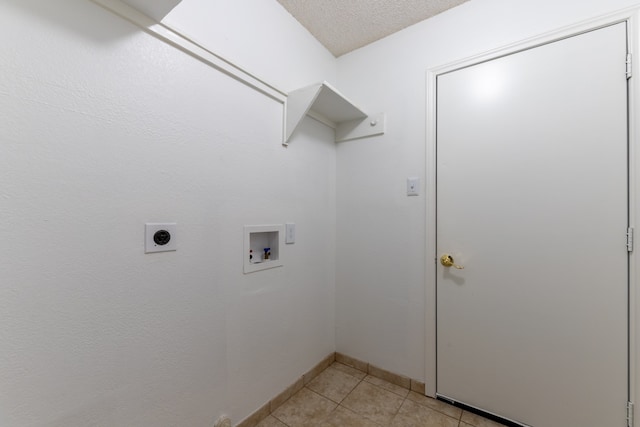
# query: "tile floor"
342,396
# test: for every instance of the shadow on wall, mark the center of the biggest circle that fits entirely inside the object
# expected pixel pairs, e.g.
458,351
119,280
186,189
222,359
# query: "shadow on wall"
76,16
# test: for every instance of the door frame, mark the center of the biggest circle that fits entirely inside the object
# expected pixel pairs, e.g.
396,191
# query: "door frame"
632,17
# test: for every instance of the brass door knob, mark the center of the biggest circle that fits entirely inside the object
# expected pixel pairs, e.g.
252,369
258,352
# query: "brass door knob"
447,261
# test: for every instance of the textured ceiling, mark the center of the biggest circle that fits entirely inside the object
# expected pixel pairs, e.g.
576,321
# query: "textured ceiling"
344,25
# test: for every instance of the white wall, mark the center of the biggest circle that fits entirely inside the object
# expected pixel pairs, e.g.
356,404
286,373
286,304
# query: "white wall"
380,267
259,36
105,128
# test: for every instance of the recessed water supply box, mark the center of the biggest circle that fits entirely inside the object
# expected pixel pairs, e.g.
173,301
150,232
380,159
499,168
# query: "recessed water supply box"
262,245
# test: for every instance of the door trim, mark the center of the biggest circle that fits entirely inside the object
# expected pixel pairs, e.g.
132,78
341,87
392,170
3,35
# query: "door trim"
631,16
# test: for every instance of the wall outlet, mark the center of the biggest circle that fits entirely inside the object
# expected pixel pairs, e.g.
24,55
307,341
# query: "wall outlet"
159,237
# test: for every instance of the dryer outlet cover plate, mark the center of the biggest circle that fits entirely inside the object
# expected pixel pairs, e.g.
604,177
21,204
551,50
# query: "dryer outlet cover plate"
160,237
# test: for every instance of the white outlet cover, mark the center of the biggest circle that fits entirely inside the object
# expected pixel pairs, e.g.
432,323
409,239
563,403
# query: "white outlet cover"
150,230
413,186
290,233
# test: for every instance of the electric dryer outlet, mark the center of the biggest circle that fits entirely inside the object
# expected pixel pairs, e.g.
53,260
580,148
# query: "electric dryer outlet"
160,237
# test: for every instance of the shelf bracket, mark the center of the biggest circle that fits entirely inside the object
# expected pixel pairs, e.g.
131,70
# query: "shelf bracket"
325,104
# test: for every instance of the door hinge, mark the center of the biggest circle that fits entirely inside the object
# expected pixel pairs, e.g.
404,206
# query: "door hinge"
629,414
629,239
628,65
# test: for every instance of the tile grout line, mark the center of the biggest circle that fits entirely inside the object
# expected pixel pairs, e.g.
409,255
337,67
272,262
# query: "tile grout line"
404,398
364,379
362,376
360,381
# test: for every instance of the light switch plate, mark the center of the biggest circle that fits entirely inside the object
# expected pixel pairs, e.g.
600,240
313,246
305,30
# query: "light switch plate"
413,186
160,237
290,233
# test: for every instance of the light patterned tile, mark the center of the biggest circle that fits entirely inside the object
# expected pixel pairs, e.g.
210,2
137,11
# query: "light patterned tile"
349,370
436,405
271,422
352,361
418,386
396,389
255,418
343,417
316,370
478,421
373,402
333,384
286,394
389,376
413,415
304,408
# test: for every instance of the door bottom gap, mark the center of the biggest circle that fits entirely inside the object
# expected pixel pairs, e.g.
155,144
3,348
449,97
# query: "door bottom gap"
488,415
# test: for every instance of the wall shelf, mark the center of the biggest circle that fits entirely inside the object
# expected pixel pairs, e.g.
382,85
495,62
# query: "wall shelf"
324,103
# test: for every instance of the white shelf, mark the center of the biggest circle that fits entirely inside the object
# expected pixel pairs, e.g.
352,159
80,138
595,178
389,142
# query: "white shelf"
324,103
156,9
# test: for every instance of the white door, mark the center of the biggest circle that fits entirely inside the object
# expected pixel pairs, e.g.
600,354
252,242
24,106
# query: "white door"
532,202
